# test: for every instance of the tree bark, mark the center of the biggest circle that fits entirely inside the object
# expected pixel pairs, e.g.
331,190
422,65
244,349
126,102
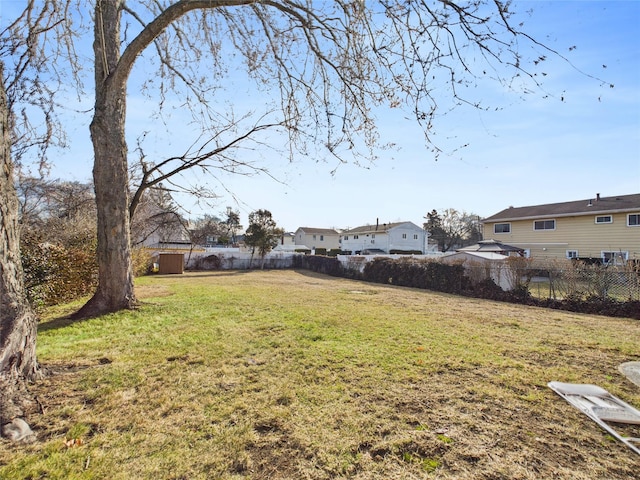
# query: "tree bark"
18,325
110,171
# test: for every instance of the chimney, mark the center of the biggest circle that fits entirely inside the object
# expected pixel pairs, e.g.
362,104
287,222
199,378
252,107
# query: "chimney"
377,222
597,197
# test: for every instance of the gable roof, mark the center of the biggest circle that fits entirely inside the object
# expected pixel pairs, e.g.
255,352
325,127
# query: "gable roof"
590,206
379,228
321,231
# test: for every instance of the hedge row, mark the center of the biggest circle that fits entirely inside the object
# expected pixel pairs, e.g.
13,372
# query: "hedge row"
433,275
55,274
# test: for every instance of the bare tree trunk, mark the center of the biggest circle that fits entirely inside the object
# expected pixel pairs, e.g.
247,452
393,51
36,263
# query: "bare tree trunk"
18,326
110,172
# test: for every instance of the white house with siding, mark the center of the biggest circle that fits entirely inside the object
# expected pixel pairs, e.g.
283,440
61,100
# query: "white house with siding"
388,237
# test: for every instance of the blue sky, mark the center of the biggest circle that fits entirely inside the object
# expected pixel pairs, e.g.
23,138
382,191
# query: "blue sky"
582,140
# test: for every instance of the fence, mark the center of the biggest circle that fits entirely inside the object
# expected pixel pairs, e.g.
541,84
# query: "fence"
231,259
558,280
543,279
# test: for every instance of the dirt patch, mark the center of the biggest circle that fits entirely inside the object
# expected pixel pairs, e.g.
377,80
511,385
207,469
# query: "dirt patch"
152,291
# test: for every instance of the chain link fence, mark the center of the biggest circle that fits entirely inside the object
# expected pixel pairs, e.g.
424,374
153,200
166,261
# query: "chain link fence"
562,279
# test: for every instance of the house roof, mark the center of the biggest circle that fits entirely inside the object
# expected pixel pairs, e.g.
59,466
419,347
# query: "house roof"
478,255
379,228
321,231
589,206
493,246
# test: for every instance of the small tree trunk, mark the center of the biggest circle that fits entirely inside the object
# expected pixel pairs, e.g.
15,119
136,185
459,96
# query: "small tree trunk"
18,326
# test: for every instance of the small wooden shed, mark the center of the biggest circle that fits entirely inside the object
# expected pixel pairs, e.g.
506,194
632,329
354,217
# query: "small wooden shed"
171,263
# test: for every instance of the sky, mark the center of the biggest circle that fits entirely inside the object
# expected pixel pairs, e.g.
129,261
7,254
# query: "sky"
583,139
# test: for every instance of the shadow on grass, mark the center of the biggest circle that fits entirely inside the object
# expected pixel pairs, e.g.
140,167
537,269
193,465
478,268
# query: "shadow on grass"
58,322
212,273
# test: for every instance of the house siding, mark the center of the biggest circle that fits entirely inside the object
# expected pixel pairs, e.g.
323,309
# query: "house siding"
577,233
317,238
385,237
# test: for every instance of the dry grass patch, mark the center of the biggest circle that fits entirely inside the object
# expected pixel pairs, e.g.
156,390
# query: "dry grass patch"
285,374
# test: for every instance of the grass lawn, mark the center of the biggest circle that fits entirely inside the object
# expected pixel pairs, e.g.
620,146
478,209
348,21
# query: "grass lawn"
294,375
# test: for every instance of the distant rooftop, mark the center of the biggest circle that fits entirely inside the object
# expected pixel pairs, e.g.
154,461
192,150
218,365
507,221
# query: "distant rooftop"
321,231
380,227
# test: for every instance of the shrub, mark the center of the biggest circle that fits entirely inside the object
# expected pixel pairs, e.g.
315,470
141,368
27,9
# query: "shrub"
453,278
142,261
59,273
425,274
321,264
210,262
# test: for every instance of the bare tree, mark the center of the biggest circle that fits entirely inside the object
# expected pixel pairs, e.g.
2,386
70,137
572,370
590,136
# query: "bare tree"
23,66
156,218
209,156
452,228
206,230
17,320
331,63
231,225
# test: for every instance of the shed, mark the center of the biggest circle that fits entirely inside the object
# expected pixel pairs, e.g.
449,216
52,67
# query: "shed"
171,263
482,264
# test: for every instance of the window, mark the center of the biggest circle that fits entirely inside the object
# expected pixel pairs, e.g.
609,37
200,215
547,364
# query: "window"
415,236
373,241
614,257
346,237
404,235
373,235
572,253
544,225
314,237
322,238
502,228
604,219
633,220
355,237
